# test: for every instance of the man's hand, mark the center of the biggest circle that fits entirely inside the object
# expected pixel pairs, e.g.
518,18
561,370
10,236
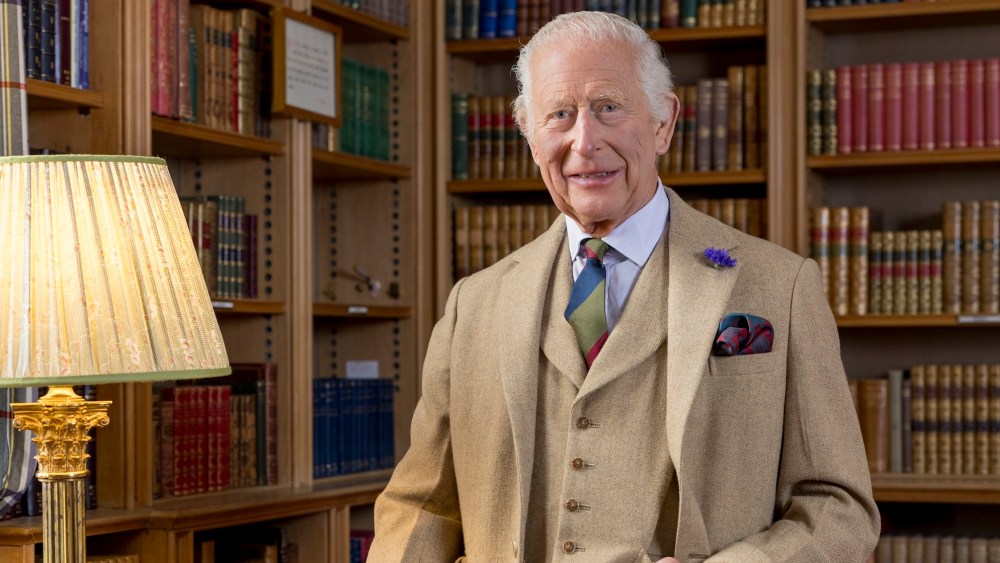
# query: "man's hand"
668,560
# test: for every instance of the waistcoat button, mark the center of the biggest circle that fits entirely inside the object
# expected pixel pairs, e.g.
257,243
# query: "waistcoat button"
583,423
572,505
576,464
569,547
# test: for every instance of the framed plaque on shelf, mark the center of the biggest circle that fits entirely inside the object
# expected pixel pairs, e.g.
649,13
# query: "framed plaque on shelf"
307,54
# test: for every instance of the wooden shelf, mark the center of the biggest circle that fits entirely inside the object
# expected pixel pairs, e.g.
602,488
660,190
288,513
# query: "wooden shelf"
672,180
910,487
874,17
248,307
866,162
28,530
189,140
331,165
336,310
715,178
491,50
358,26
916,321
261,504
48,95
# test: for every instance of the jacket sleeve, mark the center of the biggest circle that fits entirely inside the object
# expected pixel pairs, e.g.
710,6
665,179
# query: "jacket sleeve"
824,505
417,517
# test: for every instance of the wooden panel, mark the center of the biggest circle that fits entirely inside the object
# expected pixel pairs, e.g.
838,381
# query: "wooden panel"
46,95
908,487
359,26
190,140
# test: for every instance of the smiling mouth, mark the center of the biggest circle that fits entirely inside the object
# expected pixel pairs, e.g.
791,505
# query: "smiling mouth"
591,176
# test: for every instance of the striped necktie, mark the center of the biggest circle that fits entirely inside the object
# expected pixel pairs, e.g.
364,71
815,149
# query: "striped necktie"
585,311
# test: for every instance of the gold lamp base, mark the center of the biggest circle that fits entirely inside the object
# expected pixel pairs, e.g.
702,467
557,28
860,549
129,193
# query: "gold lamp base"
61,423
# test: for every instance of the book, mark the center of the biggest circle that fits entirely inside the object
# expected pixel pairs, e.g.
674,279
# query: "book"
895,403
845,110
951,259
874,397
989,266
859,111
918,419
971,223
942,105
910,130
928,103
959,103
876,107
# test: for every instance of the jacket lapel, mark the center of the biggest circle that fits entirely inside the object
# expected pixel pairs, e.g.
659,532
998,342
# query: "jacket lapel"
697,298
524,287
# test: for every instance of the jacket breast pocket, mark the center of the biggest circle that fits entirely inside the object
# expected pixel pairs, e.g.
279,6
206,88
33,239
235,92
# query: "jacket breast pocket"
742,366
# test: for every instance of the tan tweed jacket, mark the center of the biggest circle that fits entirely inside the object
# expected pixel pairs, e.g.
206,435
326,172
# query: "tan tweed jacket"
767,450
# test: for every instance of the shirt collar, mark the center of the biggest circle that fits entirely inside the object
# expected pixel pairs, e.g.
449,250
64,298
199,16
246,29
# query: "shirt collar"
637,236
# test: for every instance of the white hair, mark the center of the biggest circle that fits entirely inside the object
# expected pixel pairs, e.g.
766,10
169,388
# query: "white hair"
596,27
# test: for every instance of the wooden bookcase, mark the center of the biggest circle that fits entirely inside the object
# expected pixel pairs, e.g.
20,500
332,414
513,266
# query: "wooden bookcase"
482,67
381,212
904,190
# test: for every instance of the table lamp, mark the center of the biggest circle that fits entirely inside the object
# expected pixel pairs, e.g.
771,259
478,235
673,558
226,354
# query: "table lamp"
99,283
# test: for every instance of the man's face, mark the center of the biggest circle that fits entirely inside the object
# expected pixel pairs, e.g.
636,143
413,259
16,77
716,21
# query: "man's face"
594,138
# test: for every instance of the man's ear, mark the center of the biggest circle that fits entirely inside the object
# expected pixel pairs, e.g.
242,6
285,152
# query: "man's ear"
665,129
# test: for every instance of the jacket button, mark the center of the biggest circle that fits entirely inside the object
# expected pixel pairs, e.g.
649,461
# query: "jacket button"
576,463
572,505
569,547
583,423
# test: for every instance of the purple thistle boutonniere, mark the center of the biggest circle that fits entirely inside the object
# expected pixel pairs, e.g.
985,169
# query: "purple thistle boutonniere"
719,258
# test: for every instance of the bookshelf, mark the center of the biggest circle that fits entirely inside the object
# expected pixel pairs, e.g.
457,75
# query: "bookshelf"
904,190
481,68
289,185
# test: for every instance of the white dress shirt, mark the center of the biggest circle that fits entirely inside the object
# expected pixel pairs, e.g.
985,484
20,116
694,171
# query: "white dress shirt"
632,243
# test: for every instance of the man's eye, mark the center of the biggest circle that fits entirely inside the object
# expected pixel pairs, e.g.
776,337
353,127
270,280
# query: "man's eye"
561,114
609,108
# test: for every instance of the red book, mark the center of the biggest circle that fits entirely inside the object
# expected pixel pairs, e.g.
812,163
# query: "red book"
845,120
859,99
960,103
911,106
977,103
992,102
927,101
942,104
876,107
894,107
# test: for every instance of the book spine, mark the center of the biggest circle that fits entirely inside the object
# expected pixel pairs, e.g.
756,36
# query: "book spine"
736,118
858,260
895,402
960,103
991,102
860,111
912,272
876,107
928,103
977,103
814,113
751,118
968,419
828,114
899,271
498,137
924,300
942,106
703,152
820,235
951,260
875,273
720,124
945,420
918,419
931,434
48,40
507,19
845,113
937,277
840,260
888,272
874,396
911,106
994,416
989,267
970,256
893,107
955,384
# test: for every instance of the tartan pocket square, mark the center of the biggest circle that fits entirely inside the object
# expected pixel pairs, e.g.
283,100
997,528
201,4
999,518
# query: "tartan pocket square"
740,334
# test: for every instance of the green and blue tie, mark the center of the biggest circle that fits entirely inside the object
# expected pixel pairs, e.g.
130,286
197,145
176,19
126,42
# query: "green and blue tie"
585,311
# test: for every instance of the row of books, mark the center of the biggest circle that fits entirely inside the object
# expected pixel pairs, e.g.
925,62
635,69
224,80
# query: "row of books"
932,419
484,234
834,3
486,144
365,128
361,542
212,66
56,41
217,434
722,124
953,270
489,19
894,548
353,427
365,101
904,106
744,214
225,239
391,11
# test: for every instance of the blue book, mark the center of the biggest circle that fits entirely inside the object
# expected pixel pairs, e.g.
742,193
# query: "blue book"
507,22
319,427
83,37
489,14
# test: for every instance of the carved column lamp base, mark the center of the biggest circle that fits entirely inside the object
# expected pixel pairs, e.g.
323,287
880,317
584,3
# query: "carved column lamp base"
61,422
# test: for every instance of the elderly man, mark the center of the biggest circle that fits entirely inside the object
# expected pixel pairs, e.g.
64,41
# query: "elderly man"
641,383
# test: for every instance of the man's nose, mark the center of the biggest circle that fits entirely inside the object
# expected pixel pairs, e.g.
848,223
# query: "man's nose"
586,133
